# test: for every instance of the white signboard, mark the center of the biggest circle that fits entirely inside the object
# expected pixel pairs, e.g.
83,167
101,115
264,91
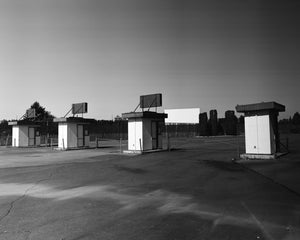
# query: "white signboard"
184,115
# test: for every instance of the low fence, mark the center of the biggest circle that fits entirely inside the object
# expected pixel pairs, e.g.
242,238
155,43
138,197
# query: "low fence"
109,129
45,141
116,136
49,141
181,130
5,140
52,141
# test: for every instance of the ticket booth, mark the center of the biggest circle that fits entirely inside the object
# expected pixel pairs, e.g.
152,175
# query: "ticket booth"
145,130
73,133
25,134
261,129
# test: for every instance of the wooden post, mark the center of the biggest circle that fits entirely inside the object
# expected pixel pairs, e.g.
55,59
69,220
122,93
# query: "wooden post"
7,140
120,145
168,138
168,141
237,141
141,145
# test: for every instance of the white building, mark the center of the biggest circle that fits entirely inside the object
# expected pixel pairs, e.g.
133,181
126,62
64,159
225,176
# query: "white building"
144,130
73,133
25,134
261,129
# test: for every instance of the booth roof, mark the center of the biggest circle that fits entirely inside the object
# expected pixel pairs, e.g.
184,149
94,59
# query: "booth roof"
73,120
260,106
23,123
146,114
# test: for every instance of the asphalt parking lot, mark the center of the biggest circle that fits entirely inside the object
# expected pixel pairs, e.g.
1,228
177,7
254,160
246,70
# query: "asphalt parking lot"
194,191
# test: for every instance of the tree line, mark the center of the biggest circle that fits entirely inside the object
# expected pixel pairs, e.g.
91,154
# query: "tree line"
119,128
101,128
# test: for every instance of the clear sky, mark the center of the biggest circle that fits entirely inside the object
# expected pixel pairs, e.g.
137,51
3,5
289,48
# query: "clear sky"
207,54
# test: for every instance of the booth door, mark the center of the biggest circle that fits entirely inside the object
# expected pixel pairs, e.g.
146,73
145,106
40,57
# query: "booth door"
80,136
31,136
257,131
154,135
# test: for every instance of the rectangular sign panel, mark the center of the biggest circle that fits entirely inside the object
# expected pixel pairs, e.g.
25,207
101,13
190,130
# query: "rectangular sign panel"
78,108
184,115
30,113
152,100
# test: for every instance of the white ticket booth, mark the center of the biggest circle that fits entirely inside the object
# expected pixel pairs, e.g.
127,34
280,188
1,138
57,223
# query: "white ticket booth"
145,131
261,129
73,133
25,134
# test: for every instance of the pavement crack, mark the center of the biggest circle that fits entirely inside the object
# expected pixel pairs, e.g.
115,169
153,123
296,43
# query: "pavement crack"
12,203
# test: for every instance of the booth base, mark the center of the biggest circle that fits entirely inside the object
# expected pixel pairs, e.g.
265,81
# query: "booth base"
73,148
142,152
261,156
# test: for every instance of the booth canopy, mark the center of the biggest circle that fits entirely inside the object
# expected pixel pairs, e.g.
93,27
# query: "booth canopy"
264,106
23,123
73,120
146,114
